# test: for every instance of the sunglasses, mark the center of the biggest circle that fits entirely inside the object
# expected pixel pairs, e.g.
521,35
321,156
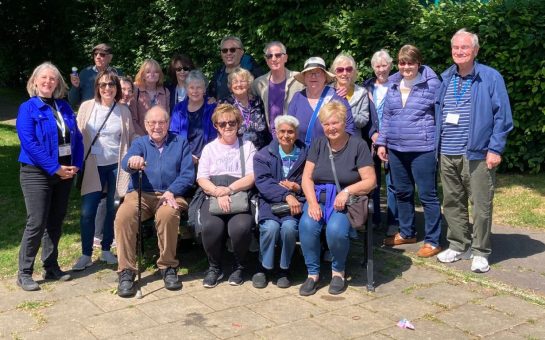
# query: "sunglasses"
232,50
182,68
276,55
231,123
348,69
101,54
104,85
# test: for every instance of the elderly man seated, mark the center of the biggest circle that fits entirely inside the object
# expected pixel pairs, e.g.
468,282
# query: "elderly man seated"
168,174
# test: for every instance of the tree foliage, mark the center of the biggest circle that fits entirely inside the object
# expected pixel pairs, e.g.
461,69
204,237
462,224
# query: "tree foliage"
511,34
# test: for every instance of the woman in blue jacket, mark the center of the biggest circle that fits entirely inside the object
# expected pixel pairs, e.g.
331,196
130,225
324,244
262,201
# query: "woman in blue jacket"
407,141
51,155
278,170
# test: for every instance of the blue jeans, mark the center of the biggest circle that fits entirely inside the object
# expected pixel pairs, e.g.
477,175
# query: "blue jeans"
89,206
391,202
337,232
420,168
270,232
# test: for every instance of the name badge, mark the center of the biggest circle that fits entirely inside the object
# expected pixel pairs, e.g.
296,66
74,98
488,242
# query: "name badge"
452,118
64,150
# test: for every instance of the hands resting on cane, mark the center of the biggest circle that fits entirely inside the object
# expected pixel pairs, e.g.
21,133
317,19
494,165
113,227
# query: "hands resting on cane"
138,163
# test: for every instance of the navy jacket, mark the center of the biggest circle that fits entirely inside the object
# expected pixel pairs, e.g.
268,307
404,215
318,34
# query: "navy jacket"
37,131
268,172
372,125
410,128
217,87
490,120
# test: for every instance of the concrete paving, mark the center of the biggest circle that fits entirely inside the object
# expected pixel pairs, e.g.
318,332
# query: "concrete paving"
441,301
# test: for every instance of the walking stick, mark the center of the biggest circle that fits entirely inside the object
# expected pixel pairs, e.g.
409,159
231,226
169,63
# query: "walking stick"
139,238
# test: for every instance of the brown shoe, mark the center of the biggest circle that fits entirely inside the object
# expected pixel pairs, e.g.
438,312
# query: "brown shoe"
397,239
427,250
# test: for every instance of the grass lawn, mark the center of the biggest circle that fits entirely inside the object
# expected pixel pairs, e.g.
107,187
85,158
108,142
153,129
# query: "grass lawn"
519,202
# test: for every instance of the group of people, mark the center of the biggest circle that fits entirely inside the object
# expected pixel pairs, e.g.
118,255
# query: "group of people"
282,154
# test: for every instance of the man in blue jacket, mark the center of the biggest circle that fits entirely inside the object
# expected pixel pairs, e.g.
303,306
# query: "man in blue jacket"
473,118
168,174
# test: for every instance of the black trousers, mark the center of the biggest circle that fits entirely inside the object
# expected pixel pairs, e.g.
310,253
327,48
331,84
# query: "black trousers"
215,230
46,201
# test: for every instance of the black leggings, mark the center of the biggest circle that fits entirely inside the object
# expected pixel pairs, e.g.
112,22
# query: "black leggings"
215,230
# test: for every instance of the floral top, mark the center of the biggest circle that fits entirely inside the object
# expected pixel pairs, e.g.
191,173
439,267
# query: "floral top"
254,126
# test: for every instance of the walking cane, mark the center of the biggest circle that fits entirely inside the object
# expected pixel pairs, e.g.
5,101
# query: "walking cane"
139,239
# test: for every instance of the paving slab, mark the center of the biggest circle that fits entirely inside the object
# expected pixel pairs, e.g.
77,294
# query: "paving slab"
225,296
479,320
286,309
530,330
16,322
109,301
234,321
174,309
176,330
425,329
401,306
298,330
119,322
353,321
72,309
59,329
515,306
444,294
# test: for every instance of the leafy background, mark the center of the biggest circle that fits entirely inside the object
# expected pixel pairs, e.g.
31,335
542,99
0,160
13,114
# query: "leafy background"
511,32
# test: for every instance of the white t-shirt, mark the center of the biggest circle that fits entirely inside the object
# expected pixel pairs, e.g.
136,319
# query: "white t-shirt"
406,85
106,147
221,159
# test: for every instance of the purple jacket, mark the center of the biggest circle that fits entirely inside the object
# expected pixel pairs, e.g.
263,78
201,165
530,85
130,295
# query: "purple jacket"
268,172
410,128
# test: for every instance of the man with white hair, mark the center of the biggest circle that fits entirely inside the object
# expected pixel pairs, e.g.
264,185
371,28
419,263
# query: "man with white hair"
473,118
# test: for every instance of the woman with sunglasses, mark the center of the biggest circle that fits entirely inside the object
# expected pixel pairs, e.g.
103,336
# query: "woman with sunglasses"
346,73
179,68
407,142
107,133
254,125
149,91
220,176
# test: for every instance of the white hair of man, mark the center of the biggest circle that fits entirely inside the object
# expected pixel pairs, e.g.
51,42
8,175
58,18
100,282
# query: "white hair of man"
157,108
381,55
275,43
232,38
463,31
286,119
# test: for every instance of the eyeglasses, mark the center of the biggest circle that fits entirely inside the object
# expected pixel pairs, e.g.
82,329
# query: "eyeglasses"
232,50
231,123
348,69
182,68
239,82
101,54
276,55
104,85
406,63
159,123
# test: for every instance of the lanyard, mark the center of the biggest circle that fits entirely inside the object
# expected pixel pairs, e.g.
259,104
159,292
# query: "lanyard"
310,128
465,86
58,119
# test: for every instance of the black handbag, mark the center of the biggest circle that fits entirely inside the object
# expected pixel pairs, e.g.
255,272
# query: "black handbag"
81,172
240,200
357,207
280,209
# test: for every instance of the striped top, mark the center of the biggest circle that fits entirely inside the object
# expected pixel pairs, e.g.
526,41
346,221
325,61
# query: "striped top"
456,114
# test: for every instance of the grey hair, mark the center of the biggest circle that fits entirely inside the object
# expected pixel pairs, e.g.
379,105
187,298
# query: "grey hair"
196,75
60,90
275,43
231,37
463,31
286,119
381,55
157,107
345,57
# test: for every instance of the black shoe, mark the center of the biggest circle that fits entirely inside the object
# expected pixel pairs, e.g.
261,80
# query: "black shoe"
56,274
170,277
235,279
27,283
336,286
213,275
283,280
308,287
126,286
259,280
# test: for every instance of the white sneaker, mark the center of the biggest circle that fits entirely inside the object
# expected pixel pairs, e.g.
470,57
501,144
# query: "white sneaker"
449,256
83,262
97,242
480,264
108,257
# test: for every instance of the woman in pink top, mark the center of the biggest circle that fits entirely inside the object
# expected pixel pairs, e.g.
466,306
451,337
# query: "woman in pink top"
149,91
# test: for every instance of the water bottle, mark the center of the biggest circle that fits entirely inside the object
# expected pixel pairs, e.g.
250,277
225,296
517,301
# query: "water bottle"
74,71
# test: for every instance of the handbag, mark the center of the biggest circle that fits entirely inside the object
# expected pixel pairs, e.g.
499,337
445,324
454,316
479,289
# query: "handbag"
81,172
280,209
239,200
357,207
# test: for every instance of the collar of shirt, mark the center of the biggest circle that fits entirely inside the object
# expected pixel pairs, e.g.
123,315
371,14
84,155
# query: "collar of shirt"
159,145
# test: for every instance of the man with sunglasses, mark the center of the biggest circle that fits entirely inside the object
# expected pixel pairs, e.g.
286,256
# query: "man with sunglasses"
233,56
277,87
83,85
